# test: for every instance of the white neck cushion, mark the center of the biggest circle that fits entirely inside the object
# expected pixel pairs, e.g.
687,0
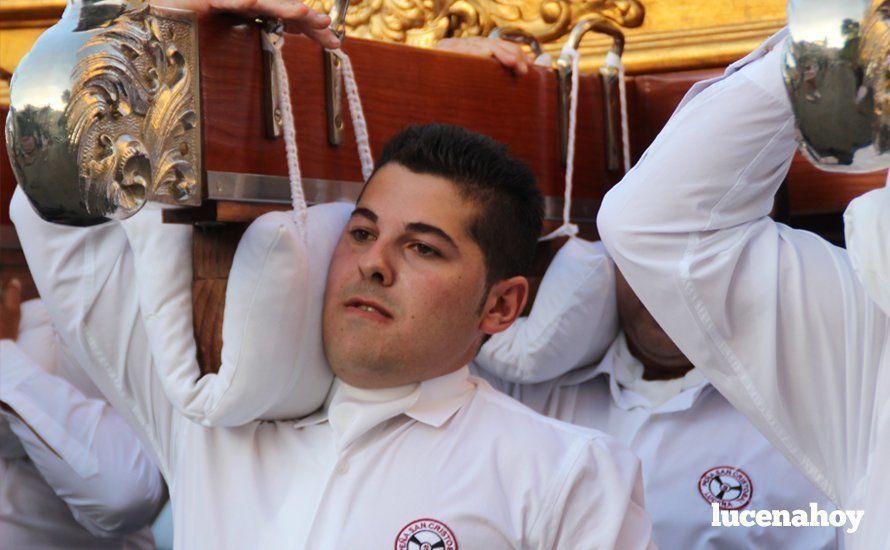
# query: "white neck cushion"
572,323
273,363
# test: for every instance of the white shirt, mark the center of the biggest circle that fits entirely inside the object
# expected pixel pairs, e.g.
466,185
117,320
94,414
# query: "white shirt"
775,317
72,473
686,442
449,459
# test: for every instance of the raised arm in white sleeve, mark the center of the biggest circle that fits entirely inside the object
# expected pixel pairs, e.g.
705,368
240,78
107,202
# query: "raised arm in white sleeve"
572,323
773,316
86,278
83,449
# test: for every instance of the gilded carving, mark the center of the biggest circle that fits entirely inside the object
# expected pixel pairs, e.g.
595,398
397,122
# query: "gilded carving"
424,22
133,112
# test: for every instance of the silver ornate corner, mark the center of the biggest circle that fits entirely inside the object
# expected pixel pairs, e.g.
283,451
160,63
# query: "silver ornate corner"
105,113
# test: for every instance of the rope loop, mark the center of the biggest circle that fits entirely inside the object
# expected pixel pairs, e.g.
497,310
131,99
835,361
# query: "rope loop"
362,138
273,41
568,229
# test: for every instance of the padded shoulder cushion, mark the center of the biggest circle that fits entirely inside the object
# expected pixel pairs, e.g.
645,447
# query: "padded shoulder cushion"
572,323
273,365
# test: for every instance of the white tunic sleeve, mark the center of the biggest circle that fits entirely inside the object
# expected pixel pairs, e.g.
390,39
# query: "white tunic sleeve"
83,449
775,317
86,279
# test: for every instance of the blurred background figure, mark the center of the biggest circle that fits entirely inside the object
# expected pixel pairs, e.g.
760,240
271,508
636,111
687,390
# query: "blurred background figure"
72,474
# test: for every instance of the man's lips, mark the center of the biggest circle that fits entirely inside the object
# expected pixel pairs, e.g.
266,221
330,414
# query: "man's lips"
368,307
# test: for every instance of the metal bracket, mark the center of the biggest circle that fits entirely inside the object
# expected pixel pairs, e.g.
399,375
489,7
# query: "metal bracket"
333,95
609,77
519,36
333,87
271,108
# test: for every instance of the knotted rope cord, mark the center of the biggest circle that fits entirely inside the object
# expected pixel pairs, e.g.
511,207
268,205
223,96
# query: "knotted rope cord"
362,140
273,41
568,229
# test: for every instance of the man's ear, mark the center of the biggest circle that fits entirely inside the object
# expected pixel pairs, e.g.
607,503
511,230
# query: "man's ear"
504,304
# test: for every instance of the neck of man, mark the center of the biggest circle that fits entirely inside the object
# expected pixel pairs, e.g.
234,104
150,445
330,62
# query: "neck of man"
366,379
655,369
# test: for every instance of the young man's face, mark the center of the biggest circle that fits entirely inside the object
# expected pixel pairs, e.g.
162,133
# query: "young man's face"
405,284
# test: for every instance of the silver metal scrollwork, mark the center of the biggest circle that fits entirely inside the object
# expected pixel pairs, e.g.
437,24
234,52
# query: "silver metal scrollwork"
104,113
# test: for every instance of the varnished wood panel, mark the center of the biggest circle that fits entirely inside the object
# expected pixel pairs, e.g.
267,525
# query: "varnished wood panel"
213,250
812,191
208,296
399,85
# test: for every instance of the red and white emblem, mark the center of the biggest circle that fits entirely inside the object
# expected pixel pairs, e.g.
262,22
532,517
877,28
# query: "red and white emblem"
426,534
729,487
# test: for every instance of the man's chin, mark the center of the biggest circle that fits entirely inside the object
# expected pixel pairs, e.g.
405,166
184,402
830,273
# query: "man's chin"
354,364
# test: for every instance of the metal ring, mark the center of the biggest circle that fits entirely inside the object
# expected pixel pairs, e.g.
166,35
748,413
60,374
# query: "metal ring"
338,18
518,36
600,25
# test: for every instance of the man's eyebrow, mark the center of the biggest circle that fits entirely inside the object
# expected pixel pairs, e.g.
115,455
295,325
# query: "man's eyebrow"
420,227
365,213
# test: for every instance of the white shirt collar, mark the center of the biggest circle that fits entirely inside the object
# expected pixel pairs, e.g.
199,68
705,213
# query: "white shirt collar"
353,411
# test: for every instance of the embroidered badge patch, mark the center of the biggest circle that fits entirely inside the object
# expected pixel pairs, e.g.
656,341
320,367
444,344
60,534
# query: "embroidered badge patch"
426,534
729,487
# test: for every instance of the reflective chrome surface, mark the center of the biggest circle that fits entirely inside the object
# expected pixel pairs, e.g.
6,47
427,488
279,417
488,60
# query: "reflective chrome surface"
836,72
232,186
333,76
104,113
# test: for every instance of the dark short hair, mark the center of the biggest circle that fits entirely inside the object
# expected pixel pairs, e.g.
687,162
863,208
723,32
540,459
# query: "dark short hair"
509,218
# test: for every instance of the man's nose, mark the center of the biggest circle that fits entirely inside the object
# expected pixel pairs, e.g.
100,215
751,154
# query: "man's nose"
375,264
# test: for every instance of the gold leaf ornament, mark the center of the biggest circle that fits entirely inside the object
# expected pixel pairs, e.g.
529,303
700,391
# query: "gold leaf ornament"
423,23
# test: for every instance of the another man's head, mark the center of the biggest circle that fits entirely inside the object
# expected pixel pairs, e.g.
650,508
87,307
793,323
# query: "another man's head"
647,341
432,260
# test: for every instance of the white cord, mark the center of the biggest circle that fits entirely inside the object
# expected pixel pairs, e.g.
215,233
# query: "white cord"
614,60
362,139
568,229
273,42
